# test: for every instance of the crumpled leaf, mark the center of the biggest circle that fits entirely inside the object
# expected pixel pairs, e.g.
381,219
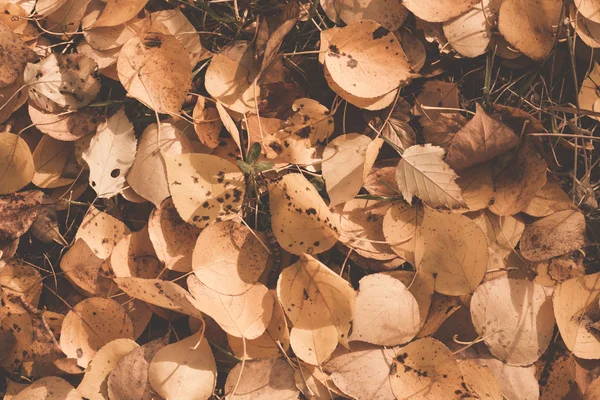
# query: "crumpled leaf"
18,211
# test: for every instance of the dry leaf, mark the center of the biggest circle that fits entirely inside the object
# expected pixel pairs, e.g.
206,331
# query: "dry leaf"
366,60
148,174
590,9
363,219
83,269
518,183
49,161
515,318
62,81
272,378
165,294
207,123
588,93
205,188
48,388
477,186
503,233
184,370
554,235
480,140
363,373
389,14
529,25
152,70
347,160
453,247
230,77
310,120
16,163
320,305
129,378
101,232
110,155
576,309
515,382
423,173
426,369
246,315
266,345
90,325
313,383
400,228
173,239
21,280
301,221
18,211
470,33
386,312
179,26
229,258
557,374
548,200
117,12
66,126
438,10
94,385
134,256
480,380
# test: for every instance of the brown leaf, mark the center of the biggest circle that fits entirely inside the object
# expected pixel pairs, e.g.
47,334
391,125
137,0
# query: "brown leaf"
18,212
480,140
272,378
554,235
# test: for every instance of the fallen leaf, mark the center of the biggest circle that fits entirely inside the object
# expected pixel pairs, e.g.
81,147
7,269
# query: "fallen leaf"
94,385
90,325
21,280
401,225
363,373
477,186
205,188
480,140
134,256
182,29
229,258
517,184
62,81
554,235
320,304
575,308
83,269
150,68
386,312
16,163
101,232
66,126
301,221
423,173
551,198
184,370
470,34
165,294
515,319
246,315
148,173
49,161
438,11
480,380
129,378
590,9
515,382
366,60
230,77
173,239
388,14
207,123
272,378
18,211
521,26
48,388
457,253
426,369
310,120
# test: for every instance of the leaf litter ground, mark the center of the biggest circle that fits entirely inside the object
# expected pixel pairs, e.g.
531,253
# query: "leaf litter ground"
283,200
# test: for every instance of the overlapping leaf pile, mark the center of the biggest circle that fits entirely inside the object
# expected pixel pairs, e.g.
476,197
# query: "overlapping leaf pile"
216,228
